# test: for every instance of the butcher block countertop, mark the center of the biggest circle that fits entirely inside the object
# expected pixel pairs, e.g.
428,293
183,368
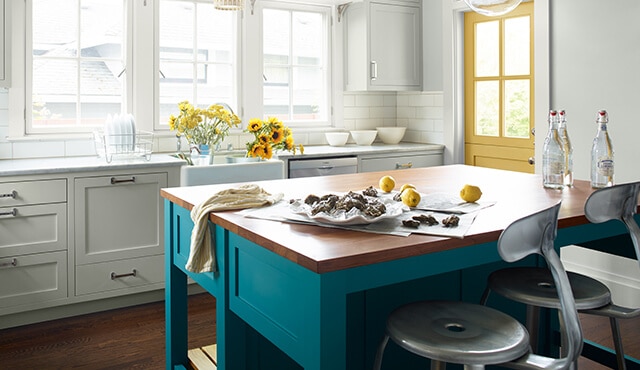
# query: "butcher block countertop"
322,249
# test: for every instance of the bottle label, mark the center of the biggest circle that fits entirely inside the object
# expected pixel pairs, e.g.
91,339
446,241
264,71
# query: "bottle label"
605,167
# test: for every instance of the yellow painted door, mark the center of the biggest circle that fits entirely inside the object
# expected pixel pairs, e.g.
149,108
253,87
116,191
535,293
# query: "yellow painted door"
499,90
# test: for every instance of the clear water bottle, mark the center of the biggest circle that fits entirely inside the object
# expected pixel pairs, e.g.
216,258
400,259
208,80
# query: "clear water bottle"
568,149
602,154
553,158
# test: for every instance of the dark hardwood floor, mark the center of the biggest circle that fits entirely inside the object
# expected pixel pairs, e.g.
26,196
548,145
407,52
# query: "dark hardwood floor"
133,338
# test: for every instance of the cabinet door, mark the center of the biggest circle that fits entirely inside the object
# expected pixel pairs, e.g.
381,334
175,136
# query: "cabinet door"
395,45
5,81
118,217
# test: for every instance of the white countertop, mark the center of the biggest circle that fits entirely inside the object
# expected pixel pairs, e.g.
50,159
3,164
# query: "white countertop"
352,149
39,166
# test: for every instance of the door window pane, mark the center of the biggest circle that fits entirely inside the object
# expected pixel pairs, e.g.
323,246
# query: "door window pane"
488,56
487,107
516,106
516,46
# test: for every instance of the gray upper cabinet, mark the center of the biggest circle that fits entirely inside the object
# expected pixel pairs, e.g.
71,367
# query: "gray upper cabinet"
383,46
5,37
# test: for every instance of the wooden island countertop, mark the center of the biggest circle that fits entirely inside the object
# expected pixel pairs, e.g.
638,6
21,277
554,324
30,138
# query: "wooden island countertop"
322,250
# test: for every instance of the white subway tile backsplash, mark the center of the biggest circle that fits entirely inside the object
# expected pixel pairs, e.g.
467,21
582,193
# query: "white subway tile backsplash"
356,112
77,148
38,149
5,151
420,112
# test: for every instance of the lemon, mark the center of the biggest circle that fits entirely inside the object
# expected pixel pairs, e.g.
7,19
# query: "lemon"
470,193
387,183
410,197
405,186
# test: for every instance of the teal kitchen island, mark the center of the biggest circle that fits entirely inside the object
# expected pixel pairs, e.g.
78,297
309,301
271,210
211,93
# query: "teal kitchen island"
294,295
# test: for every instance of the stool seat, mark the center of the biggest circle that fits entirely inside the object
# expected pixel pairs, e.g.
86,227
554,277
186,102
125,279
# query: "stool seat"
534,286
458,332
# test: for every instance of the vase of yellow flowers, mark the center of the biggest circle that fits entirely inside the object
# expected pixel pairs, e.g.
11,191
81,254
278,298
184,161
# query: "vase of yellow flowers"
203,128
269,136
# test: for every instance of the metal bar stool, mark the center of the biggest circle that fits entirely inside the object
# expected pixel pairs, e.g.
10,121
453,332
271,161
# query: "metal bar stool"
476,335
535,288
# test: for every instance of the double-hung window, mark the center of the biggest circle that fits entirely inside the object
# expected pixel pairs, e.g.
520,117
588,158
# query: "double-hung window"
296,63
197,56
76,58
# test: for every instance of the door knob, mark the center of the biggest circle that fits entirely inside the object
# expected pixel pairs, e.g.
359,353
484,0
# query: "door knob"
531,160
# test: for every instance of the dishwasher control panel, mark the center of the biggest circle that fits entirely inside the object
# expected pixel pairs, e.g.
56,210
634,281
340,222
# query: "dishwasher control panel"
324,166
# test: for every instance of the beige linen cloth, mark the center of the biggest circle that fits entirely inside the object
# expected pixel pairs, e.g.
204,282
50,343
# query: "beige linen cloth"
202,256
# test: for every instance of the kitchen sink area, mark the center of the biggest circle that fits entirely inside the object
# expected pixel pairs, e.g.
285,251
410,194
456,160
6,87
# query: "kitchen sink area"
221,171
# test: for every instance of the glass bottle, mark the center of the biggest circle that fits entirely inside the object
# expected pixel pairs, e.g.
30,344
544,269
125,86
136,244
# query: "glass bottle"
568,149
553,155
602,154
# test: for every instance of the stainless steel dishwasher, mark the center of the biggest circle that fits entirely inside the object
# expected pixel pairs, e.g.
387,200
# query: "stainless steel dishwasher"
324,166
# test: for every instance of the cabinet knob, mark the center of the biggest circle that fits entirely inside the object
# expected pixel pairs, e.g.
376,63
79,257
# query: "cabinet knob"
531,160
13,195
13,212
12,263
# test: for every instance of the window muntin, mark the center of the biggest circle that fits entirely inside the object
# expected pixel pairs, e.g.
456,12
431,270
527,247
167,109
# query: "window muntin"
197,56
75,64
296,81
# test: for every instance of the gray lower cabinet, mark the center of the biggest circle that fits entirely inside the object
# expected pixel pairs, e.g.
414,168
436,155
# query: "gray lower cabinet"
388,162
118,236
33,241
75,238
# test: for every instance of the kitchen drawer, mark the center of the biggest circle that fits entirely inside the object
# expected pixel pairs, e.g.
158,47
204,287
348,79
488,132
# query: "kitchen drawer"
33,229
400,162
32,192
33,278
114,275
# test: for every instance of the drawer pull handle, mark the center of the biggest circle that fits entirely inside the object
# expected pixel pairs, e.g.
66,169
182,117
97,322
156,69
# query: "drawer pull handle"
116,181
13,212
13,195
13,263
406,165
116,276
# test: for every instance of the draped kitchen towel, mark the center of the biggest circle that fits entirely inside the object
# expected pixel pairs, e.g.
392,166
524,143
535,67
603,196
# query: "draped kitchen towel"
202,256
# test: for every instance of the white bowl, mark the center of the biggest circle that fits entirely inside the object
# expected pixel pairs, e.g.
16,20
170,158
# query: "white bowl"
391,135
337,138
364,137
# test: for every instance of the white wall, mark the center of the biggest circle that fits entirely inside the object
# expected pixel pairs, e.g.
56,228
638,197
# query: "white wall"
595,64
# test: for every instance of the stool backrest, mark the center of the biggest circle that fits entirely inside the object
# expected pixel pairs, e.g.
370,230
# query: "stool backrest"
536,233
618,202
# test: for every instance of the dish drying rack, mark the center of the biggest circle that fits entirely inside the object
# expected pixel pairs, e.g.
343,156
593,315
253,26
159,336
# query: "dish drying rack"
124,146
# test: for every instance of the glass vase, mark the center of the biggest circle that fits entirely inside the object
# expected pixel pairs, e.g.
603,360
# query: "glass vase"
201,155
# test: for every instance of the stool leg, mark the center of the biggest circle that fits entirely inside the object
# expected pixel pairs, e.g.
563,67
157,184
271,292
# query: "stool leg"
377,364
533,326
438,365
617,342
473,367
485,296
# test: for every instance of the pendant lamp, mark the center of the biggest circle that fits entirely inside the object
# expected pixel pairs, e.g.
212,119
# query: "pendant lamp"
492,8
228,4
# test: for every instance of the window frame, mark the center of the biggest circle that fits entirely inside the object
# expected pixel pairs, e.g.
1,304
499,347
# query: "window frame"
254,49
